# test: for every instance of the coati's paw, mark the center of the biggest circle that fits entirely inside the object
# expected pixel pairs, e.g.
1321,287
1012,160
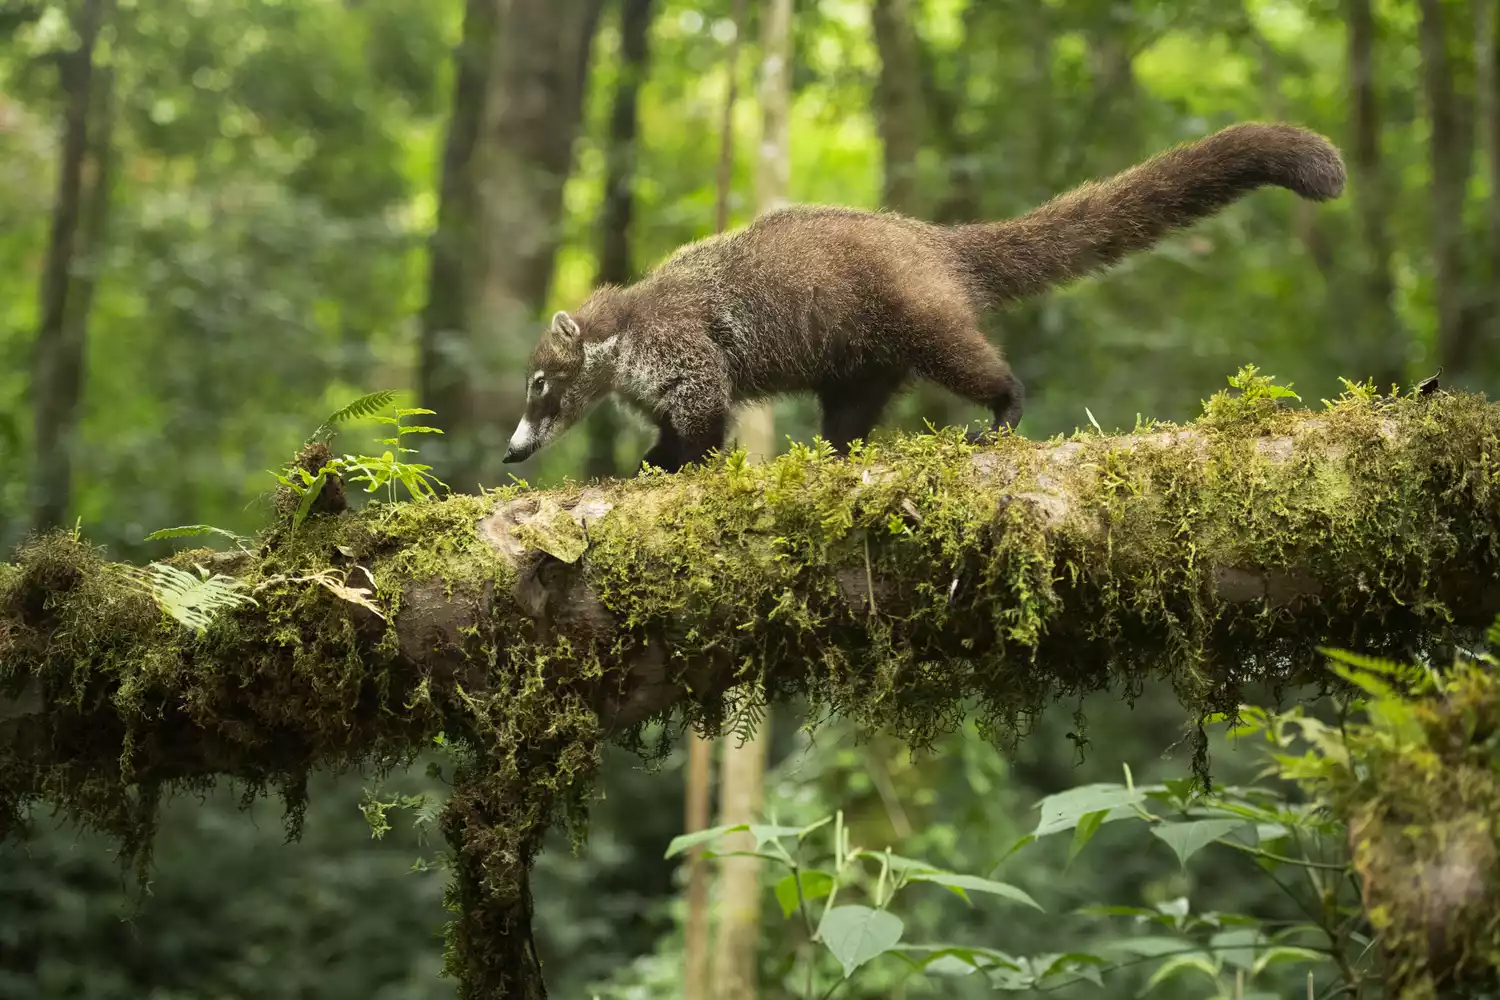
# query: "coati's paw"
985,436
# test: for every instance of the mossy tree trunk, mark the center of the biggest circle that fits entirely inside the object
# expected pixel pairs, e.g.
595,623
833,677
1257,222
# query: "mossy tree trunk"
893,586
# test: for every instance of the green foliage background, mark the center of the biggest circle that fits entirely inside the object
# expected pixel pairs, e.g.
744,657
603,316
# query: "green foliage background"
266,262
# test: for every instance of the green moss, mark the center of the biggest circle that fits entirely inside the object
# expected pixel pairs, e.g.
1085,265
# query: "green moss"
1423,809
918,580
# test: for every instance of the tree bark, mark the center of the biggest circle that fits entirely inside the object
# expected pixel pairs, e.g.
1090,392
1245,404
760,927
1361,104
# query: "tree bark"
700,763
1372,199
522,158
899,108
57,366
619,202
446,351
737,957
1450,152
528,626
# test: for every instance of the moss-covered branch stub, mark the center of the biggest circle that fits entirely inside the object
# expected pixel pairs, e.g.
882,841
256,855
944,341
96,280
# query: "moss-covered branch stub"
919,578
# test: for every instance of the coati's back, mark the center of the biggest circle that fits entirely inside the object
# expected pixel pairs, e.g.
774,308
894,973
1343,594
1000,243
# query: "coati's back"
806,292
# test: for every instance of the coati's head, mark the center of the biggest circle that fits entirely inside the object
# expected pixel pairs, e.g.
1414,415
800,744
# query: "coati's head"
566,375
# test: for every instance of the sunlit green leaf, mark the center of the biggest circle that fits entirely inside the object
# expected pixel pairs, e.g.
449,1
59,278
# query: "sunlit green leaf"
856,934
961,884
815,885
1187,839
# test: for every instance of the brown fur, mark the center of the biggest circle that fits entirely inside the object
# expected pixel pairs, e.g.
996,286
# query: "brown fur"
851,304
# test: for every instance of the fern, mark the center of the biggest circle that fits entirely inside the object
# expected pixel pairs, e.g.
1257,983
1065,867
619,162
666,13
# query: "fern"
191,600
365,406
189,530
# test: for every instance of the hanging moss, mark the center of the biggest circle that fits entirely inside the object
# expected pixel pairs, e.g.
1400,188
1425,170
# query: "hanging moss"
919,579
1423,810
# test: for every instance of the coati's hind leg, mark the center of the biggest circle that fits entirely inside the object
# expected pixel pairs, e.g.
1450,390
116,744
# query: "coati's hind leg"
851,409
963,361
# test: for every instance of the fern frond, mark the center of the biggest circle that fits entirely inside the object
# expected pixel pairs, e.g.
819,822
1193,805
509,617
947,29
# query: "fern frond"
365,406
189,530
191,600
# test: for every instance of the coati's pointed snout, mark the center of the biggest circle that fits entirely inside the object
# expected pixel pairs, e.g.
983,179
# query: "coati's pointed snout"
527,439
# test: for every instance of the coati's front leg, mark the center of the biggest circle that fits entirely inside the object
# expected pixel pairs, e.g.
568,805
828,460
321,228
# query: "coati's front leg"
687,431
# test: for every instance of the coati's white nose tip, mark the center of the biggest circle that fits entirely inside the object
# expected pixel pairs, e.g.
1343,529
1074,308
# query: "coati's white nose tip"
522,442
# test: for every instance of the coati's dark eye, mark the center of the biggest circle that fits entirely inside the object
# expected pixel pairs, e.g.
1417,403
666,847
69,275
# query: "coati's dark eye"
539,384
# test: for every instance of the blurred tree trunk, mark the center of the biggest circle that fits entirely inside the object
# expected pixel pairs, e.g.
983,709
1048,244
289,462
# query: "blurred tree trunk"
1450,155
509,153
445,350
757,424
742,792
619,202
532,116
1372,200
700,760
899,110
1487,35
744,764
901,114
57,372
961,202
700,765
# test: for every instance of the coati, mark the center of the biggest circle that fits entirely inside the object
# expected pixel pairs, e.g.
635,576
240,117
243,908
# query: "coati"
851,304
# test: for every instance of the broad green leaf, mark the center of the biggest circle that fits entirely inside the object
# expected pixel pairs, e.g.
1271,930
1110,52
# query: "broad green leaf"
856,934
308,496
1064,810
1237,947
1187,839
962,884
689,840
1013,848
765,834
815,885
1181,964
1287,954
1176,909
1060,969
1084,832
1150,945
957,960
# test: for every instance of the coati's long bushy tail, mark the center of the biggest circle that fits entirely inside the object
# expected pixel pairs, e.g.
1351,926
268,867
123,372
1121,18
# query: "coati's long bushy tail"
1100,222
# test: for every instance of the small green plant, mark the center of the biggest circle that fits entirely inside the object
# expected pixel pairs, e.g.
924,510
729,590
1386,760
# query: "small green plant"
1258,395
854,933
191,599
193,530
386,470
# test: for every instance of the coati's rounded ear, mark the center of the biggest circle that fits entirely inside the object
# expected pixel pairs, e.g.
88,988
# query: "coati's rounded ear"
565,326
